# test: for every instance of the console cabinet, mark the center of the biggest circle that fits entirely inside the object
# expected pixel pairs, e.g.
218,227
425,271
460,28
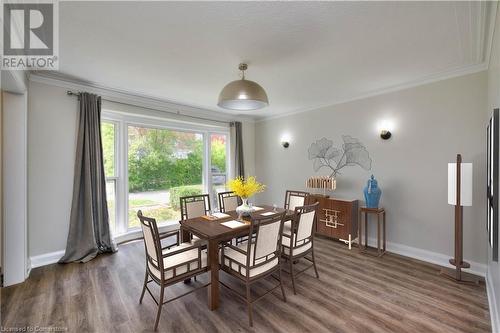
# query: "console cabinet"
337,218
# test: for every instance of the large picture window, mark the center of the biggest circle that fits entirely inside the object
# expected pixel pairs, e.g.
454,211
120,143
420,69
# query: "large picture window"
150,164
162,166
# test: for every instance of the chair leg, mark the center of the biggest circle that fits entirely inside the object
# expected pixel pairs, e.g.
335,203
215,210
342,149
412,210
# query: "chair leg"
281,285
249,305
195,277
159,308
314,264
144,287
293,278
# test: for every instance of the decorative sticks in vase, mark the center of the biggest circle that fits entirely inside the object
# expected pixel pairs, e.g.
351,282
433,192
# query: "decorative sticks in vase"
322,182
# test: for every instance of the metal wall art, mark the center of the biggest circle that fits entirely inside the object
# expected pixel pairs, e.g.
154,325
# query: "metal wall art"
325,155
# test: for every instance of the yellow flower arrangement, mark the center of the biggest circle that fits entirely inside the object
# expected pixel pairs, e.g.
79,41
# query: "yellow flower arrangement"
245,188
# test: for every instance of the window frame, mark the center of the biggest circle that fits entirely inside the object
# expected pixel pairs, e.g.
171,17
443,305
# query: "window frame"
228,164
115,176
122,121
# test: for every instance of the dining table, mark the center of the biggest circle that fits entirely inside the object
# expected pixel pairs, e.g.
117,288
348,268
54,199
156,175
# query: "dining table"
212,230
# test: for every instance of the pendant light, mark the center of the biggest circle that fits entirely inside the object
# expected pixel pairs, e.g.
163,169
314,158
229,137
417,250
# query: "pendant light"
243,95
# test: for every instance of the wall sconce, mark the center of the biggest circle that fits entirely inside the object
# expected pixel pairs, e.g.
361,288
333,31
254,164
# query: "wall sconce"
385,127
385,134
285,141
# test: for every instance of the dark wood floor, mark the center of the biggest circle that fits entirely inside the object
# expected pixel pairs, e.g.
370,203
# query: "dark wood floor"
355,293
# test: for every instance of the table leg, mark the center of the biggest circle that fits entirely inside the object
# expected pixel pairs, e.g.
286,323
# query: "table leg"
378,234
360,238
185,236
384,231
366,231
213,291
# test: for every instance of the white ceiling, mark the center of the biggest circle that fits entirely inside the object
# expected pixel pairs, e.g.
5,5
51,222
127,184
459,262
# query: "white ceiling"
305,54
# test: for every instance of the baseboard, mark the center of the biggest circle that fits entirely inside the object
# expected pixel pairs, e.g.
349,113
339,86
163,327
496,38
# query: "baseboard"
53,257
429,256
492,303
46,259
28,268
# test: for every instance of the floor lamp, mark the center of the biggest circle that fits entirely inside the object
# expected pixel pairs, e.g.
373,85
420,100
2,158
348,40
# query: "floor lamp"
459,195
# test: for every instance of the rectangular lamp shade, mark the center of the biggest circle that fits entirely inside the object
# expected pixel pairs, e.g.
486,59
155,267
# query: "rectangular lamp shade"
465,184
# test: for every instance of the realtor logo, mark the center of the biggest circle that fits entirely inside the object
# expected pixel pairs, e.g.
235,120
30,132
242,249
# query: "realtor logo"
30,35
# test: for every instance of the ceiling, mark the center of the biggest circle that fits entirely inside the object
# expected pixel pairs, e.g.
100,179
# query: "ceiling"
305,54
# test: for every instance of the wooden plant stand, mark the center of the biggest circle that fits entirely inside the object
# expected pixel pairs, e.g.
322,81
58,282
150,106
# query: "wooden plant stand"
380,212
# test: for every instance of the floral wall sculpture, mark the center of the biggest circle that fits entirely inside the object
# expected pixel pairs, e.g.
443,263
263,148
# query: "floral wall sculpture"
325,155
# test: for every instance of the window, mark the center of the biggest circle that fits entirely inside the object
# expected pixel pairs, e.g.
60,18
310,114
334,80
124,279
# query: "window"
163,165
150,164
108,136
218,161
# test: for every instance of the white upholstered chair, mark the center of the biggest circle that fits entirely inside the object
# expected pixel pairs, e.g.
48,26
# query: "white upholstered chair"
166,267
298,239
256,260
295,199
194,206
228,201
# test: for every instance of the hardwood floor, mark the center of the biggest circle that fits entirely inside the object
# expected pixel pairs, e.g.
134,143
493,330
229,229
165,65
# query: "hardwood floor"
355,293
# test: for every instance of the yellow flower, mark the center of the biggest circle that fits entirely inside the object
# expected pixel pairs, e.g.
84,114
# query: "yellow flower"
245,188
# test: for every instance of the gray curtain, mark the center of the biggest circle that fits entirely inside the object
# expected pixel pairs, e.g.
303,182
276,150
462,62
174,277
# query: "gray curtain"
89,232
237,139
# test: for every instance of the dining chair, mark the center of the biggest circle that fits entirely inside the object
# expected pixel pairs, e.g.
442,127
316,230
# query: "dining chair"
166,267
194,206
228,201
253,261
295,199
298,239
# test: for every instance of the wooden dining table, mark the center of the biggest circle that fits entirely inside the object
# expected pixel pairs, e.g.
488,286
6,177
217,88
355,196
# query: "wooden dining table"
215,233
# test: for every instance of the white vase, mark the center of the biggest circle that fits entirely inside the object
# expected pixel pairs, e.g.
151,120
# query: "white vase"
244,209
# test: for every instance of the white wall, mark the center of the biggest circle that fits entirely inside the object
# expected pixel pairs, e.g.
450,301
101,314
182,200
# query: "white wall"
433,123
493,276
14,169
248,131
52,126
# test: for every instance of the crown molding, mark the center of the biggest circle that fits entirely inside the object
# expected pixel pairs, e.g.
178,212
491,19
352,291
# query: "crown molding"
133,98
489,29
377,92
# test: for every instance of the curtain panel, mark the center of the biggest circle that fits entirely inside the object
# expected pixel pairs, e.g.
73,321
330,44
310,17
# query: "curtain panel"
89,232
237,148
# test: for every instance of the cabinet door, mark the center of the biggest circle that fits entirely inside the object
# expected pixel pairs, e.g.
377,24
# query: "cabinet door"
342,216
321,227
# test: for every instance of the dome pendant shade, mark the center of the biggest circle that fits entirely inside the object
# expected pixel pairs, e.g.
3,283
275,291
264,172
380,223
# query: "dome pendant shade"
243,95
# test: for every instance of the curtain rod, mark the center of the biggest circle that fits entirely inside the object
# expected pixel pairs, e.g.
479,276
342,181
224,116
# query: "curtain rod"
78,94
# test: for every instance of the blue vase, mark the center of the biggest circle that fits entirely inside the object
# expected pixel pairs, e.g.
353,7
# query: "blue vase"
372,193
